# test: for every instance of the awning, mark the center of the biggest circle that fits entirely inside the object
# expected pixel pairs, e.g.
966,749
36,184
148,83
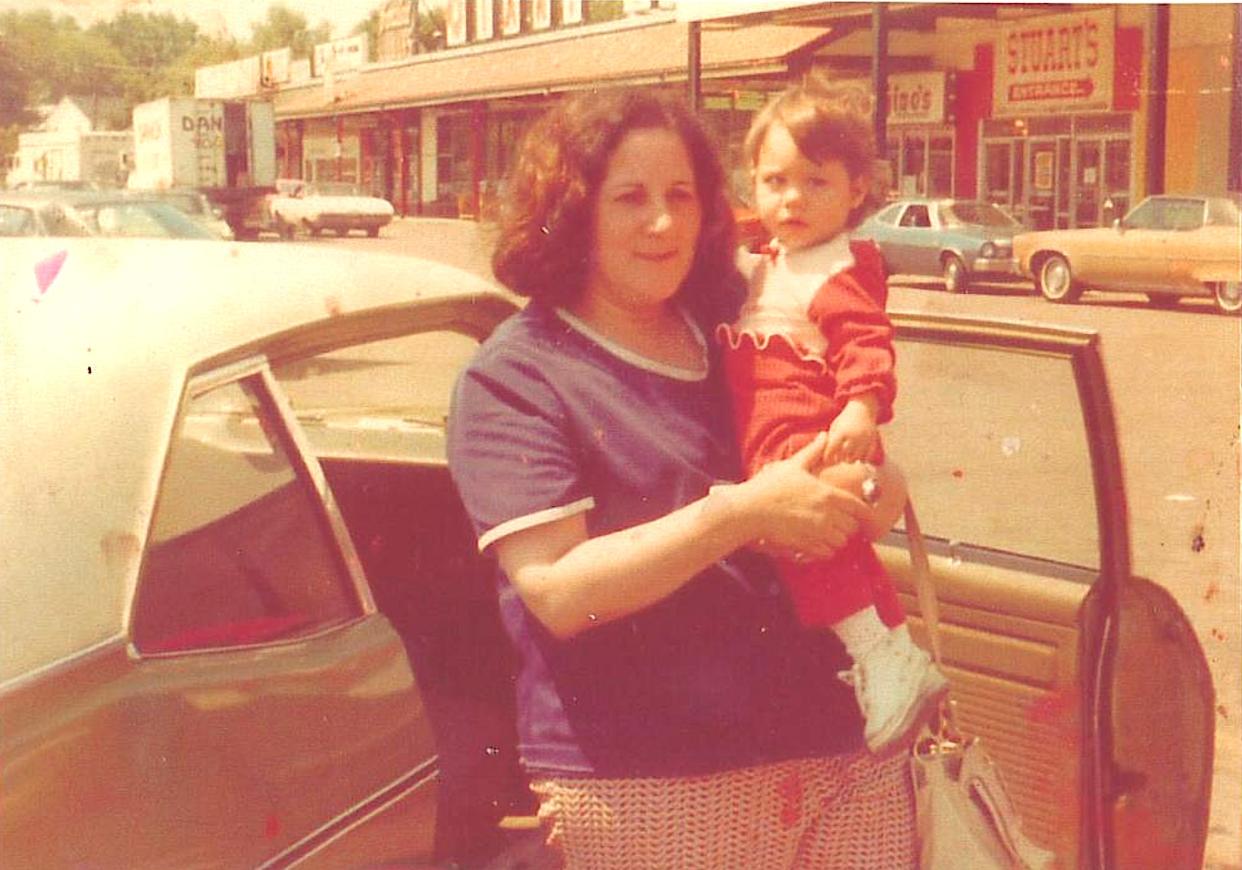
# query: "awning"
650,54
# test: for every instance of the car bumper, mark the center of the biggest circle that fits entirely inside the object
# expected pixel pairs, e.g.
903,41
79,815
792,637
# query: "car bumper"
999,267
350,221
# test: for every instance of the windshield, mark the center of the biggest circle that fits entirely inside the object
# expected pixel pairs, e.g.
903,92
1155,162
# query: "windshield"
16,221
141,220
982,214
333,188
1224,212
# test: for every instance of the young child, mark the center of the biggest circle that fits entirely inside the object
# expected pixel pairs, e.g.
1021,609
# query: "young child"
812,349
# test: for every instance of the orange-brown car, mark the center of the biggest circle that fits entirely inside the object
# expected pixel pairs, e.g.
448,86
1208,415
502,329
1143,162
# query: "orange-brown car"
1167,247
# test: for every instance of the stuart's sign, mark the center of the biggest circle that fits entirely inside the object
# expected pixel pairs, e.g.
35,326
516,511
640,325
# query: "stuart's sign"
1055,63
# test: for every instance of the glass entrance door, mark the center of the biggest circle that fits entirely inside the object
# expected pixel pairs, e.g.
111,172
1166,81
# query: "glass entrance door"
1088,183
1041,184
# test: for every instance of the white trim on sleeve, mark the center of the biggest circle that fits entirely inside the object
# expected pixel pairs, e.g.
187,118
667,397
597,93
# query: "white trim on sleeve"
529,521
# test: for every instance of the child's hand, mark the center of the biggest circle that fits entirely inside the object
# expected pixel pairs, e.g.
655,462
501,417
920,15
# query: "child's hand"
852,435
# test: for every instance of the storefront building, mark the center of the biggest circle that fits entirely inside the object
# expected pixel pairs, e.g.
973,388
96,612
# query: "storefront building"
1065,118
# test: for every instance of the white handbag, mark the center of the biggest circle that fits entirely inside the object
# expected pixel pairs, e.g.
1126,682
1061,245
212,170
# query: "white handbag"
965,818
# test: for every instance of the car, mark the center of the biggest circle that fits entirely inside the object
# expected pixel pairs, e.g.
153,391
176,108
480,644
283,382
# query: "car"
1168,247
137,216
195,204
244,620
325,205
103,213
30,214
963,241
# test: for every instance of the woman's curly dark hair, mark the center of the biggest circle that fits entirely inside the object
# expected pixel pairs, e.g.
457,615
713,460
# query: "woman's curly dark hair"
548,219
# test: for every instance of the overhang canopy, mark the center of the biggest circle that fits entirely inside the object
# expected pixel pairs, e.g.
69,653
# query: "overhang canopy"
650,54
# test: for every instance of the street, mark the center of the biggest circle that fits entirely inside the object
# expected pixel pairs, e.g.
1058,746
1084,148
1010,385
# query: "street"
1174,378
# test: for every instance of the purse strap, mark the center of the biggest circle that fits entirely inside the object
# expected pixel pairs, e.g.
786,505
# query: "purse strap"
929,607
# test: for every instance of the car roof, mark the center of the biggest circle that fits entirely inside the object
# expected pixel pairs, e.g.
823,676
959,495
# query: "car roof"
94,364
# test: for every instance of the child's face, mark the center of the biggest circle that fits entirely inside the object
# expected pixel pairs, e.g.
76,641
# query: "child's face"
801,202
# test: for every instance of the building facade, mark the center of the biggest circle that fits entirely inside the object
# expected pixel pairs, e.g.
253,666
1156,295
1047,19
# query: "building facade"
1065,116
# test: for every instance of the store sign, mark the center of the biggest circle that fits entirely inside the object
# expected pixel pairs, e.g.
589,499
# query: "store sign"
340,54
274,67
484,19
510,17
1056,63
222,81
540,14
455,23
916,98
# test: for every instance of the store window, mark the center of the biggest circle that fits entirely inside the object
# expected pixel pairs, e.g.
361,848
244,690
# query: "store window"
1059,171
453,172
921,160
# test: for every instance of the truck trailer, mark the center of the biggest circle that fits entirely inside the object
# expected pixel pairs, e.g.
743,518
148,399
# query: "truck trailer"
224,148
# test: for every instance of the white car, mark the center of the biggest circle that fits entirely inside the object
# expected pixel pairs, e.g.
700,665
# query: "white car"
326,205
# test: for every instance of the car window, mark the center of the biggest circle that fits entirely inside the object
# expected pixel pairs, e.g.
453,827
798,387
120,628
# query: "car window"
239,550
1167,213
333,188
362,396
16,221
887,215
916,216
1224,213
995,449
977,214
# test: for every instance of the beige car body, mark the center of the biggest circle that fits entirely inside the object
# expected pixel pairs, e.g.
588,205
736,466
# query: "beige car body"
383,736
1192,257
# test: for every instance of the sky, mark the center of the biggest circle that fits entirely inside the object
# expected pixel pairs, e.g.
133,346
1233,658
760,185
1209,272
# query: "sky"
235,16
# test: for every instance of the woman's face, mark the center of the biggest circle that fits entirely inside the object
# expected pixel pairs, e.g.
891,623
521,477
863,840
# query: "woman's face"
647,220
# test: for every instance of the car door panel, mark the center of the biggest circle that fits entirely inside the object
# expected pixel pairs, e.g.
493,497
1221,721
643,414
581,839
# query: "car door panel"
1007,439
1011,641
222,739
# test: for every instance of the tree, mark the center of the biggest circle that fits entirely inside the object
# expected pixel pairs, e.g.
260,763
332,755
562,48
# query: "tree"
150,46
14,88
430,28
61,58
284,27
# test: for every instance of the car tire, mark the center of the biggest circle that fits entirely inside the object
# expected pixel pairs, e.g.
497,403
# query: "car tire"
313,230
956,278
1228,296
287,231
1056,280
1162,300
342,233
373,232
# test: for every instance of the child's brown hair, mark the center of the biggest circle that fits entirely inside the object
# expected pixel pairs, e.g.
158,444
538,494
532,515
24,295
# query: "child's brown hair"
828,122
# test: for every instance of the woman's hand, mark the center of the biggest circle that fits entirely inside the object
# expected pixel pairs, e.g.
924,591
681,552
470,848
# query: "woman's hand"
891,483
791,510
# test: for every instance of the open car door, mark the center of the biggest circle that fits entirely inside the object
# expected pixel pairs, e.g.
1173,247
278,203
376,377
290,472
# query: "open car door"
1086,683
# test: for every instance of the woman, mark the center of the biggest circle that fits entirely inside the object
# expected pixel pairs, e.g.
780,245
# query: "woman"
671,712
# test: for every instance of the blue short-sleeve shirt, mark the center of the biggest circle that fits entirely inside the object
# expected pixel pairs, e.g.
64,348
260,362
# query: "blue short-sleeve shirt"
550,420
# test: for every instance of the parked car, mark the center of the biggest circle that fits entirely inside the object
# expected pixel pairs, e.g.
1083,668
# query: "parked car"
244,621
30,214
136,216
962,240
326,205
102,213
1167,247
196,205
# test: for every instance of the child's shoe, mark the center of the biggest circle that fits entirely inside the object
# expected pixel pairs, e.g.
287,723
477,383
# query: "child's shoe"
897,685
